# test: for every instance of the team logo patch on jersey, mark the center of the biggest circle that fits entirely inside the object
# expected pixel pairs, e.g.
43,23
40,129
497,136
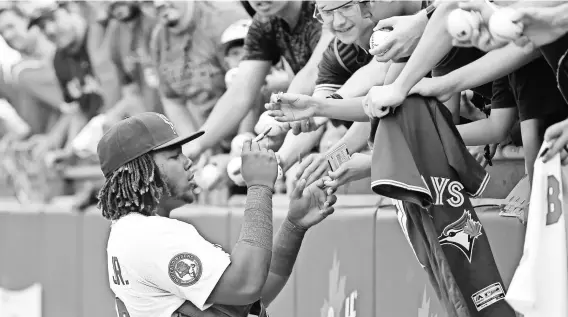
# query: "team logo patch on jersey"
488,296
185,269
462,234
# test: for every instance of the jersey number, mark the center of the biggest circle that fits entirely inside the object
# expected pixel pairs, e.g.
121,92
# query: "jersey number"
121,308
554,203
117,278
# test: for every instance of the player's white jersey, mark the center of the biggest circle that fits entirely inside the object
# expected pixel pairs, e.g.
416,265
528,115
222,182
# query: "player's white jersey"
540,285
157,263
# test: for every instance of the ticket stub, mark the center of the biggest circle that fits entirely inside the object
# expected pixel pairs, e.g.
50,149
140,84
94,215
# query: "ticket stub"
339,156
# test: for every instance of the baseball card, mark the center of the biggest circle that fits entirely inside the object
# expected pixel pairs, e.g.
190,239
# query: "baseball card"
339,156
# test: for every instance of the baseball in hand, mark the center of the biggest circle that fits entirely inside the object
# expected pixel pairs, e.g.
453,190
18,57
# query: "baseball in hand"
378,37
238,141
461,24
234,171
502,26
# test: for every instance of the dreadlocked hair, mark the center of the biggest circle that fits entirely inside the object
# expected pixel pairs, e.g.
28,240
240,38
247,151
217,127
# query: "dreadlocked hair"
134,187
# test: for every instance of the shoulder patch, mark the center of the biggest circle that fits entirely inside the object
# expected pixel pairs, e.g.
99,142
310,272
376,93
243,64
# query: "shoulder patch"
185,269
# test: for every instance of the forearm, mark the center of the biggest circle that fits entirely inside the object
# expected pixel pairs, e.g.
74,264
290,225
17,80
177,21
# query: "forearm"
491,66
244,279
60,129
480,133
435,43
296,146
286,248
304,82
372,74
342,109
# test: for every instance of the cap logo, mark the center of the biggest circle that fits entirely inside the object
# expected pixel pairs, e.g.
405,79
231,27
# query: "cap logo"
168,122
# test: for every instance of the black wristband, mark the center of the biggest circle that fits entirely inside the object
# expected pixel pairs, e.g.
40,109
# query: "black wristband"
334,96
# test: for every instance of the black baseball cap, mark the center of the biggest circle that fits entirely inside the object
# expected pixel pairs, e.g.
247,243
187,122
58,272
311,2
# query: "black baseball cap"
136,136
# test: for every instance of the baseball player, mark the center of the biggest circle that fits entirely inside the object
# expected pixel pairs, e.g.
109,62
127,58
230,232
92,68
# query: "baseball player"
162,267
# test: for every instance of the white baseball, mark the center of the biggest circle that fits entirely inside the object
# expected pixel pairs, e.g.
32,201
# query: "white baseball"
231,75
502,27
237,142
461,24
234,171
378,37
208,176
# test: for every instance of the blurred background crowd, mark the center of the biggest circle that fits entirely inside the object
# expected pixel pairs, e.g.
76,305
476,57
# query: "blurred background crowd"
71,69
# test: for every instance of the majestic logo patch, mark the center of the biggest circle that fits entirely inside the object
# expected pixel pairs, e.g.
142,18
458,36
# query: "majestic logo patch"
185,269
462,234
488,296
168,122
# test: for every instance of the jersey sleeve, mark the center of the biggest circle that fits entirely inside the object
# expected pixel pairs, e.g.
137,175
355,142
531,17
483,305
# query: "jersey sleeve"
394,173
185,264
260,44
473,176
331,73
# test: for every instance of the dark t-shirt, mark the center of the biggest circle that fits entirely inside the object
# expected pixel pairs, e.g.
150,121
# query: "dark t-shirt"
531,88
555,54
339,62
77,79
269,39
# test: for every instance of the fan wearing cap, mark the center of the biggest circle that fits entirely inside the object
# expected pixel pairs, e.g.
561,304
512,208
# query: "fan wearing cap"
160,266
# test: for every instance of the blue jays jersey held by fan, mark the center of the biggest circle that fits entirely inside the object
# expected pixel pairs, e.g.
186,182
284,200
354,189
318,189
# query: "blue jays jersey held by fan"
420,161
158,264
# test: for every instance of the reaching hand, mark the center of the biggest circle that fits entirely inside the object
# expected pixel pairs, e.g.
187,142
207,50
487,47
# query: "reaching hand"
402,40
542,25
380,99
358,167
557,135
309,206
259,165
312,168
291,107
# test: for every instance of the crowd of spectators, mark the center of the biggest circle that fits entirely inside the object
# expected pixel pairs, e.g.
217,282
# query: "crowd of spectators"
71,69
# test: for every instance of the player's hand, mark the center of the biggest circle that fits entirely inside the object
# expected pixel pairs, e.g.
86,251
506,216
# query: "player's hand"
358,167
557,135
380,99
309,206
402,40
286,107
542,25
478,152
312,168
259,165
433,87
